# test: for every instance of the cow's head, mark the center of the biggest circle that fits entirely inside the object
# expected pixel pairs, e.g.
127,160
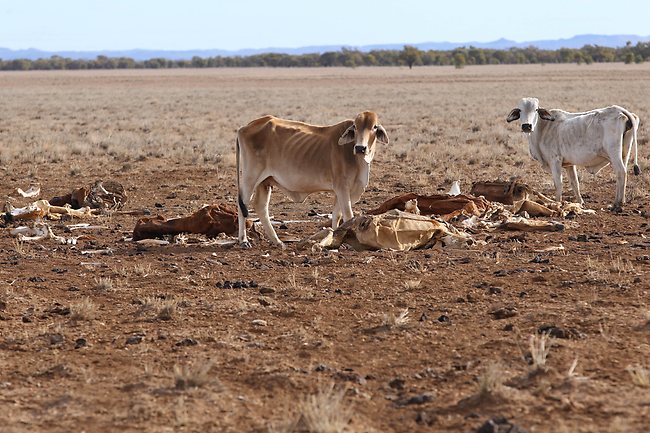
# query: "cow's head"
529,112
364,133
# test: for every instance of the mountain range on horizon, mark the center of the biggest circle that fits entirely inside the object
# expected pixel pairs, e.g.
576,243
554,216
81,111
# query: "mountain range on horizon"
578,41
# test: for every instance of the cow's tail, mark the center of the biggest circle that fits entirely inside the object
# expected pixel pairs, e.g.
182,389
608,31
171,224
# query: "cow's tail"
242,207
633,122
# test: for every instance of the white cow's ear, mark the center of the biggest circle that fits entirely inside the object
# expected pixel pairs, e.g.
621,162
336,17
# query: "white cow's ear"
514,115
348,136
382,136
544,114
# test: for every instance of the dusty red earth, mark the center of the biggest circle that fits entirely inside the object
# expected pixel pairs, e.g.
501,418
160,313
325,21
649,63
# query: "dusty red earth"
316,319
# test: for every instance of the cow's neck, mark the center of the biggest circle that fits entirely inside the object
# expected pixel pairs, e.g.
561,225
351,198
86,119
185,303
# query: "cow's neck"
534,139
364,171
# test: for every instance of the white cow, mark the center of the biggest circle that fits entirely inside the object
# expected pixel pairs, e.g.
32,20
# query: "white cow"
591,139
302,159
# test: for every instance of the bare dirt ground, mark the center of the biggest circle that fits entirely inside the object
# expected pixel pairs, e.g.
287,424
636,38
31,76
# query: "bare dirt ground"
106,343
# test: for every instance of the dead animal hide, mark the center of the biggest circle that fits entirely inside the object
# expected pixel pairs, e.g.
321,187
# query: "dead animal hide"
528,225
75,199
533,209
209,220
444,205
501,191
100,195
394,230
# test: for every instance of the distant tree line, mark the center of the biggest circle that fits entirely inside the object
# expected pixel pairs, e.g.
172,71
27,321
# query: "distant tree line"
409,56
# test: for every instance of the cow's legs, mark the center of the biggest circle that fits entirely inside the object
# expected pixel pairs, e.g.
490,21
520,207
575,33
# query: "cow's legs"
245,199
262,200
556,171
572,173
621,179
336,214
344,204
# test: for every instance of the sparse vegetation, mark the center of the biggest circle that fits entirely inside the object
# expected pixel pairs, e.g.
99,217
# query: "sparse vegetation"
539,346
83,309
325,411
412,284
640,375
169,135
192,376
491,380
103,284
397,321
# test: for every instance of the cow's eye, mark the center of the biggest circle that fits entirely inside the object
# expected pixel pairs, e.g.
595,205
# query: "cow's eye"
376,127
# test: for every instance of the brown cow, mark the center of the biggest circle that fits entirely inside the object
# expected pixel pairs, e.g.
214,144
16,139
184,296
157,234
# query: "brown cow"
302,159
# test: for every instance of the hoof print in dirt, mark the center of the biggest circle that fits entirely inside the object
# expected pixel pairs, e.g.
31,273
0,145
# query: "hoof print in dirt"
499,424
227,284
503,313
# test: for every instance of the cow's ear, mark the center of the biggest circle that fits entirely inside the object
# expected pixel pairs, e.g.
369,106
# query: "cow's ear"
544,114
348,136
514,115
382,137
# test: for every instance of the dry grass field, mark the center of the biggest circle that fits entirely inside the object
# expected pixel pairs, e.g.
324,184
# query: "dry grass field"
142,339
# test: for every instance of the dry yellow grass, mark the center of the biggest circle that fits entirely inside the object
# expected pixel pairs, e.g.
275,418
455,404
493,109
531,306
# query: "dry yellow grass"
434,115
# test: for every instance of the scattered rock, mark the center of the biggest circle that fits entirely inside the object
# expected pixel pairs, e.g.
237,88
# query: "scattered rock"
416,399
264,302
266,291
37,279
227,284
80,342
503,313
135,338
540,259
259,322
185,342
425,418
494,290
499,424
59,270
557,332
55,339
397,384
350,376
444,319
60,310
3,305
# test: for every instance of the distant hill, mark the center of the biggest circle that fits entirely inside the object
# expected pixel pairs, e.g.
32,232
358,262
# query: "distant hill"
142,54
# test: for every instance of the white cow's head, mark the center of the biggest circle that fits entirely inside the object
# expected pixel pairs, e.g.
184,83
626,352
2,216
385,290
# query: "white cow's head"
529,112
364,132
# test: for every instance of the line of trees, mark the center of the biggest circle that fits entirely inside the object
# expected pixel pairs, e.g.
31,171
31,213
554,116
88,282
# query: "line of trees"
409,56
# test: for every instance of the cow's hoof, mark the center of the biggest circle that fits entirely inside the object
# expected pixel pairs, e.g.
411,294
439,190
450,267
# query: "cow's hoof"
616,208
246,245
637,170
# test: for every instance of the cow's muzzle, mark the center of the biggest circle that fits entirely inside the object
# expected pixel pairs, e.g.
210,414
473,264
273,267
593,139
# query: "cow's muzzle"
527,127
360,149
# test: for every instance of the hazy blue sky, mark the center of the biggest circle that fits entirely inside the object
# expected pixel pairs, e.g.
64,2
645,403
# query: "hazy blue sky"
235,24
